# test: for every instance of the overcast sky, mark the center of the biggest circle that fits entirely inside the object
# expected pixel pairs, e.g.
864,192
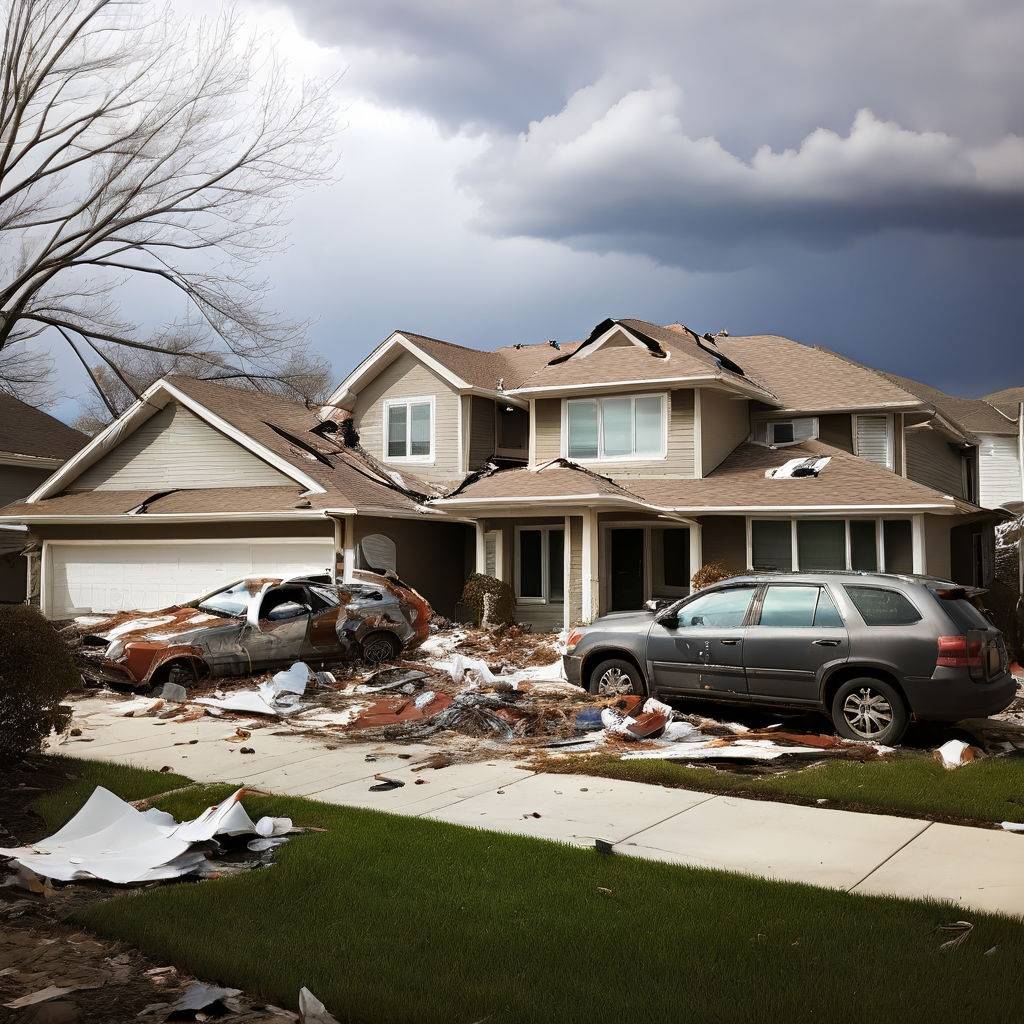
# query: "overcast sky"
850,175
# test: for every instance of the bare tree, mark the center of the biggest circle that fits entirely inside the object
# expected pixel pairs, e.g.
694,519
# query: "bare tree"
301,377
138,149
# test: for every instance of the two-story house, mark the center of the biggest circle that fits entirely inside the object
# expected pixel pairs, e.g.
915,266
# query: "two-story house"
590,476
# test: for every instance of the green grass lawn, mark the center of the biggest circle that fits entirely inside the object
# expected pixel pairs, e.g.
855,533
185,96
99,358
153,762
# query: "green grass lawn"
984,791
392,919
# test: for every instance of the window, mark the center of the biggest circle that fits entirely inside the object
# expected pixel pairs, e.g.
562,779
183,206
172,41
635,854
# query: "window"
409,429
540,565
899,547
772,545
961,611
615,428
670,561
233,600
970,475
881,607
724,609
863,545
799,608
821,544
780,432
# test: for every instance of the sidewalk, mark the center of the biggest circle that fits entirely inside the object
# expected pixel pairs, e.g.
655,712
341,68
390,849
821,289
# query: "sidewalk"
980,869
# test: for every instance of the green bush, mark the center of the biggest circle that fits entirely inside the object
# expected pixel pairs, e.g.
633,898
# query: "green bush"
37,672
472,604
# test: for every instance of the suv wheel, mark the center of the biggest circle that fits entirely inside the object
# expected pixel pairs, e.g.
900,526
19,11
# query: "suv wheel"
614,677
869,709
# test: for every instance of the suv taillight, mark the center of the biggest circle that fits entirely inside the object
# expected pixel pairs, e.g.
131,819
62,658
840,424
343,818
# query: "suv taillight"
959,652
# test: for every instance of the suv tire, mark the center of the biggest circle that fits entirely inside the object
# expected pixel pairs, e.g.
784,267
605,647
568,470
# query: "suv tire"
616,676
869,709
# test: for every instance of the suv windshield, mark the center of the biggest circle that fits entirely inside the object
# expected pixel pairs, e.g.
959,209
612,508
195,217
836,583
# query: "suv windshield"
233,601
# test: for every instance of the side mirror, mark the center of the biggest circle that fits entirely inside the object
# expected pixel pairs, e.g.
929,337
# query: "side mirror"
655,604
669,621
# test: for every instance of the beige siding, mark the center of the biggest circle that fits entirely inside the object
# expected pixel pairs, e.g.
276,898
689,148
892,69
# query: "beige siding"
724,424
898,442
481,432
724,540
407,377
548,425
837,430
574,585
933,461
937,546
175,448
17,482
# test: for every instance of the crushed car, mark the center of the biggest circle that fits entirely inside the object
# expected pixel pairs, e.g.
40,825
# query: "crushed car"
255,625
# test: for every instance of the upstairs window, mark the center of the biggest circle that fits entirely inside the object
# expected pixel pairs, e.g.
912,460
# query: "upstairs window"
409,429
615,428
782,432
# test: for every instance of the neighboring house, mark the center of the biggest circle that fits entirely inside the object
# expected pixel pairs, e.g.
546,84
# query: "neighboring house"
32,445
590,476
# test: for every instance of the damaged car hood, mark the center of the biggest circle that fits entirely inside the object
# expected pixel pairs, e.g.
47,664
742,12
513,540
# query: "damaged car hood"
176,623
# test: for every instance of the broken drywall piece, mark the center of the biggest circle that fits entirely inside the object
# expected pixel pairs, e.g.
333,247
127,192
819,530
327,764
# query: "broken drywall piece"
955,753
461,666
110,840
1013,826
800,467
312,1011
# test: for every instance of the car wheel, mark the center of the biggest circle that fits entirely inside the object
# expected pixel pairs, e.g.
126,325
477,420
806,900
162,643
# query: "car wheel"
614,677
869,709
379,647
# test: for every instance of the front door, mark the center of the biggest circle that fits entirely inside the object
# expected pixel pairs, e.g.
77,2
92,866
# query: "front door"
704,651
797,632
627,569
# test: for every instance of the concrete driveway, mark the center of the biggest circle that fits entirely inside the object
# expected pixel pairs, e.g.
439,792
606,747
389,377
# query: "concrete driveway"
979,869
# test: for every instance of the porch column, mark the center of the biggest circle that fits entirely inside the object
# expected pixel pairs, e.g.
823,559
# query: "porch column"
917,541
567,574
696,550
350,548
591,566
481,549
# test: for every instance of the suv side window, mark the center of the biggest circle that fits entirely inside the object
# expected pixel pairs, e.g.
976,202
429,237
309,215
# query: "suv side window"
798,607
722,609
879,606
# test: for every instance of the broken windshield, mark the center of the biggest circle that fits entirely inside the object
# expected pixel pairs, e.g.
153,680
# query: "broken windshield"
232,601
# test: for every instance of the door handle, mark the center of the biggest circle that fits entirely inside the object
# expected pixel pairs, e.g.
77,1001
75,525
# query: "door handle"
731,643
826,643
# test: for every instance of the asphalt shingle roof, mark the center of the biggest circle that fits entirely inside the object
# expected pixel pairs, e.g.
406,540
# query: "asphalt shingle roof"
26,430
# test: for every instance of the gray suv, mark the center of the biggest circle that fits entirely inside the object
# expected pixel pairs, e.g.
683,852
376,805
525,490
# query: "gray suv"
870,650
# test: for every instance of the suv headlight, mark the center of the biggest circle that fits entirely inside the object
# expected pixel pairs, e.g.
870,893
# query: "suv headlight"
114,651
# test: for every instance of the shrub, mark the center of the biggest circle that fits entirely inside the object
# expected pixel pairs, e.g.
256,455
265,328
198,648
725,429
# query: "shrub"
472,603
710,572
37,671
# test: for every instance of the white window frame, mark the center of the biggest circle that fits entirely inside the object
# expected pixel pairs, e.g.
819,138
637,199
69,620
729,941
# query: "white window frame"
916,533
666,406
770,431
391,403
545,561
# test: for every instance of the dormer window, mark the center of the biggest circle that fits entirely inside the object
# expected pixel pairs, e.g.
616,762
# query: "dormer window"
614,429
783,432
409,429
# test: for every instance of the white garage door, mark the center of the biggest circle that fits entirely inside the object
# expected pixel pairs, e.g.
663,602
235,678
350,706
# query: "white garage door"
124,576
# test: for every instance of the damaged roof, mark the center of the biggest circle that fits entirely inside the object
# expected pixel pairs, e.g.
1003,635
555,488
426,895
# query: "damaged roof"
1006,401
26,430
666,353
846,481
559,478
808,378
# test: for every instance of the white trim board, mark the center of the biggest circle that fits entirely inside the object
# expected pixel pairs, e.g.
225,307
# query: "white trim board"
30,461
153,400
